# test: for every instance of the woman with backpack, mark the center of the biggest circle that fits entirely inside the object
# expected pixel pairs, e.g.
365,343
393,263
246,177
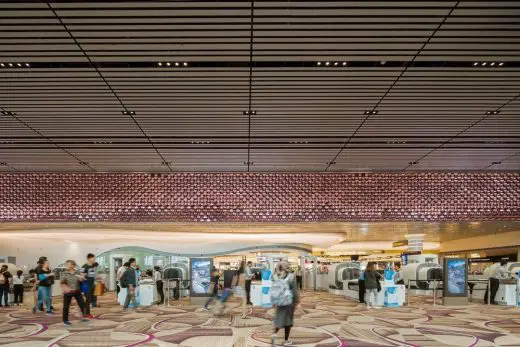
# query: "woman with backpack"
285,297
372,286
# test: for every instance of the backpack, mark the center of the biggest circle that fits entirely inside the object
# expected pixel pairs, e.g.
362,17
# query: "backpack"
2,279
123,282
281,293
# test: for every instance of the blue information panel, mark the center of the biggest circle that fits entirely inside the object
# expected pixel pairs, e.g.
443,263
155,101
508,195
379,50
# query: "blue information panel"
200,276
455,277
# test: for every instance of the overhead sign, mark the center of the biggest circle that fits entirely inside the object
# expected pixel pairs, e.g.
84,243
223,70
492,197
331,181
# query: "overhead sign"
400,243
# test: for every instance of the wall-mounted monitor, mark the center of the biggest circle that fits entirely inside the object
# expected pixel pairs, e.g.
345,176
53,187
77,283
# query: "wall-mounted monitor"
455,277
200,276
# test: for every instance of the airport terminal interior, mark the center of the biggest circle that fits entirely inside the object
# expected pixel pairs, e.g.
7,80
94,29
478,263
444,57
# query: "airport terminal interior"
259,173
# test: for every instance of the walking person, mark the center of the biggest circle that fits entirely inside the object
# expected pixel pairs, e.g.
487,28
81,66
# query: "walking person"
129,281
34,289
88,271
213,287
120,273
285,296
240,291
157,277
372,278
299,278
5,277
361,287
70,284
248,276
45,281
496,275
18,287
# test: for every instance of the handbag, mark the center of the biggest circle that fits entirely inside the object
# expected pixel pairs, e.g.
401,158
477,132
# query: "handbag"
99,290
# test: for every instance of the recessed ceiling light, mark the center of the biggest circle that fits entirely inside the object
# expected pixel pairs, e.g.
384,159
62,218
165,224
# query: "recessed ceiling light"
19,65
318,63
327,63
336,63
484,64
475,63
168,64
492,64
383,62
185,64
177,64
344,63
128,113
500,64
11,64
160,64
27,64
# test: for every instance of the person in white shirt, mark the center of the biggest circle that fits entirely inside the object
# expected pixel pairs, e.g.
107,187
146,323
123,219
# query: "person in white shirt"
157,278
18,287
398,276
248,275
494,278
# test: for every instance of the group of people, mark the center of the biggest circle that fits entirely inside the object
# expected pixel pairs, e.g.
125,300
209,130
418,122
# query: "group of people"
285,290
7,281
369,284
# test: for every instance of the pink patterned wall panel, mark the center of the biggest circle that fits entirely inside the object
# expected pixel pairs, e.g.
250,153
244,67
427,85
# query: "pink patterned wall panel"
258,197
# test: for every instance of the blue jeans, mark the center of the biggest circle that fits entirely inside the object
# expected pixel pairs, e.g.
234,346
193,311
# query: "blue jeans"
44,295
4,294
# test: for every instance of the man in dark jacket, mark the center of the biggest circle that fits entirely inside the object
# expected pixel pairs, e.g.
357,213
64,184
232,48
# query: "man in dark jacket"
88,271
129,281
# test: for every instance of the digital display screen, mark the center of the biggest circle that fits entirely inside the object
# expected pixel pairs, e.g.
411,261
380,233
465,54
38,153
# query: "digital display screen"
456,276
200,276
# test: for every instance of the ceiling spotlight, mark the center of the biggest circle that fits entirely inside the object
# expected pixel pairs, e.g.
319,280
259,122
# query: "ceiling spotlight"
371,112
10,64
475,63
19,65
382,62
492,64
492,112
327,63
185,64
160,64
128,113
318,63
177,64
2,64
344,63
168,64
253,112
8,113
484,64
336,63
27,64
500,64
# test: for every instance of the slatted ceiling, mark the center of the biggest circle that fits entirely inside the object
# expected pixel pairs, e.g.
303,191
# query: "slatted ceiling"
294,102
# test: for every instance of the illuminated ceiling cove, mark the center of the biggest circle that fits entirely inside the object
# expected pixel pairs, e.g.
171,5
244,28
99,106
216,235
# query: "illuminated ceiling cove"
255,197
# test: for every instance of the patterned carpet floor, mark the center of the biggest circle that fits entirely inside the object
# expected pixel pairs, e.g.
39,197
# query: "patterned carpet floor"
322,320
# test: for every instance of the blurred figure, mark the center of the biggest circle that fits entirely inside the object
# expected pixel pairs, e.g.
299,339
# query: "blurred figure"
240,291
299,278
88,271
398,276
371,285
213,287
18,287
157,278
129,281
248,275
34,289
45,279
285,296
361,286
70,284
120,273
5,277
495,276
